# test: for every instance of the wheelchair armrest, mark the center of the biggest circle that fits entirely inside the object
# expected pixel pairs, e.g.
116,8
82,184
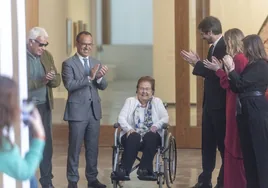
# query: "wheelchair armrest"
165,105
116,125
165,126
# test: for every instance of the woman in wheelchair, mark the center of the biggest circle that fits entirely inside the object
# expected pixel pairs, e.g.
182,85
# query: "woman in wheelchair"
141,120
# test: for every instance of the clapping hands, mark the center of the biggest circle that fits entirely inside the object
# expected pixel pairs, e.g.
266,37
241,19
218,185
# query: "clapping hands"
214,65
229,63
191,57
102,72
96,73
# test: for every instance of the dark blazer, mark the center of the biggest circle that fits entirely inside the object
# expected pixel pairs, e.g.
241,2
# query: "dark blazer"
81,93
214,94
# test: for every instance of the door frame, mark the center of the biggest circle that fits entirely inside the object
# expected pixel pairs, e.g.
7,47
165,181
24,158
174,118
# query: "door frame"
187,136
32,14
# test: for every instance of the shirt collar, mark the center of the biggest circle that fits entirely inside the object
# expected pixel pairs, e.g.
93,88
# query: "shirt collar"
81,57
216,42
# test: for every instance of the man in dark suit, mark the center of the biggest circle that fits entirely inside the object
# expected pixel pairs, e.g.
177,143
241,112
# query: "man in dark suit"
214,101
83,76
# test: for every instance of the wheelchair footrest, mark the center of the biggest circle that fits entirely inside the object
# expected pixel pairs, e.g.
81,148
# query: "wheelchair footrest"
117,178
147,178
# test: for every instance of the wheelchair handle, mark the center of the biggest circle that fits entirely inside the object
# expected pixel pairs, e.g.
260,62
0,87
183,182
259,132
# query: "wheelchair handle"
165,126
116,125
165,105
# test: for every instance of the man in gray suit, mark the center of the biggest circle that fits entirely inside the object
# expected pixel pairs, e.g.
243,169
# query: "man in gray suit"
83,76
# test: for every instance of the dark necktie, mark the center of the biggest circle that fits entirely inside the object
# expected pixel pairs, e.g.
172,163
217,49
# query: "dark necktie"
87,70
87,73
210,52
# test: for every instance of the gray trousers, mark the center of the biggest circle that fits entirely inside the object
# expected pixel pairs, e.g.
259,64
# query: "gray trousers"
46,163
89,132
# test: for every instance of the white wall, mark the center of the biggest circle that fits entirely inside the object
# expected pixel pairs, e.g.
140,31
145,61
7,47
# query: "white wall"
131,21
247,15
53,15
164,49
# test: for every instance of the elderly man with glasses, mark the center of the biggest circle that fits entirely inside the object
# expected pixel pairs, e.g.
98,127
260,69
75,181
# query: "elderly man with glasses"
42,77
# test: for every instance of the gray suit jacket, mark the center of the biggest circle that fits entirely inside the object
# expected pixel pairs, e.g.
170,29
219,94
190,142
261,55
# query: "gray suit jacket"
81,92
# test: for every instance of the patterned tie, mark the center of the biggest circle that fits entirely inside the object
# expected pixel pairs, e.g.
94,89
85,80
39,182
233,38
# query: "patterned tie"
87,70
210,52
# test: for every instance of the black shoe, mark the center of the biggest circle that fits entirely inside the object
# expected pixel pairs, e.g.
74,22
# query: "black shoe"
48,186
147,175
145,172
96,184
72,184
142,172
219,186
202,185
121,174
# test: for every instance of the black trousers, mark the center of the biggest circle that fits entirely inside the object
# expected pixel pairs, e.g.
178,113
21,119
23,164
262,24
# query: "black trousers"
132,146
46,163
213,134
253,132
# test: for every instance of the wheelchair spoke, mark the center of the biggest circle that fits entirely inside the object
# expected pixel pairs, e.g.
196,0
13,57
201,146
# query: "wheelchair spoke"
165,163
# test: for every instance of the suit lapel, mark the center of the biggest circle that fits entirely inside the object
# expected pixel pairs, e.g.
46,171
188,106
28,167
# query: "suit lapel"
78,64
218,45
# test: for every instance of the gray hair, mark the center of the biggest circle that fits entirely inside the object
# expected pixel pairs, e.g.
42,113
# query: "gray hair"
36,32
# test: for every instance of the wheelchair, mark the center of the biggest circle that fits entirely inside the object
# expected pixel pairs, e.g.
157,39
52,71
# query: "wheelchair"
165,159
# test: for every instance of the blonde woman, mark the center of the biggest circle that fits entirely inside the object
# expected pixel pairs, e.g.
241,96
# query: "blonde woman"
234,173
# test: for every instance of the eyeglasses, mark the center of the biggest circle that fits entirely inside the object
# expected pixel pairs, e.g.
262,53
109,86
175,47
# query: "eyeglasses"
41,44
86,44
144,89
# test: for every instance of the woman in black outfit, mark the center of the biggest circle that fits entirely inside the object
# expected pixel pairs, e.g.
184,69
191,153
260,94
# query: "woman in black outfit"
252,110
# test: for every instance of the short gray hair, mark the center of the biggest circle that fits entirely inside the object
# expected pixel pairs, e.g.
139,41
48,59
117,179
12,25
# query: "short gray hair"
36,32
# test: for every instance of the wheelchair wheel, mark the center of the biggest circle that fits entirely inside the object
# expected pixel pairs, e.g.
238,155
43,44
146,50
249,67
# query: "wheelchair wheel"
170,163
115,150
172,160
160,181
113,158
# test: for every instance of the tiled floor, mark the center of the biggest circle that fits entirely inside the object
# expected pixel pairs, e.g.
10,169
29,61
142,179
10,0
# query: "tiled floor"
188,168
